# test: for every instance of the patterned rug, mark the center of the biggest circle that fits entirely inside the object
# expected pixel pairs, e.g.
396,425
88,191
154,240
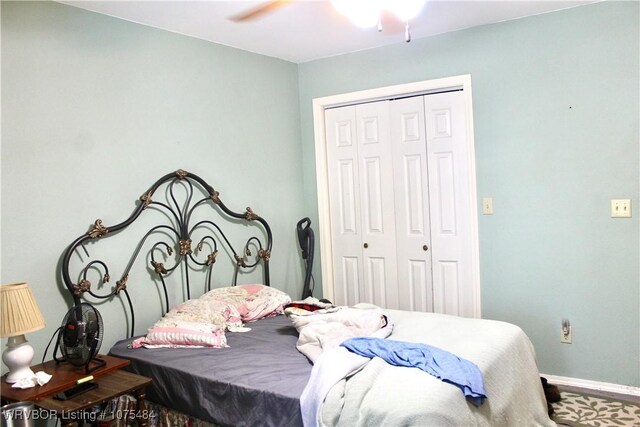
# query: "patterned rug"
583,410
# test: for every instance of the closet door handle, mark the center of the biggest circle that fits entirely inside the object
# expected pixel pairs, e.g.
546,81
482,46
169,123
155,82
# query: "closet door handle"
366,245
425,248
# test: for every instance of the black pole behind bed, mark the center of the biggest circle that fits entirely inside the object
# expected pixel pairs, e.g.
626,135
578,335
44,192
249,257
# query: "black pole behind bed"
177,227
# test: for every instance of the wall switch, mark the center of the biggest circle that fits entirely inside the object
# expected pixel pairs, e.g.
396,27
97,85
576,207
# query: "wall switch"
565,332
621,208
487,206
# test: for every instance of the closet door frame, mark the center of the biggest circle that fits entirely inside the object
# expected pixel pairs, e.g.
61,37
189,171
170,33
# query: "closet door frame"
389,92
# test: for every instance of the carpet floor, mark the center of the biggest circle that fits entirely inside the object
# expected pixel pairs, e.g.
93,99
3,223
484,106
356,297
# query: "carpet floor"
584,410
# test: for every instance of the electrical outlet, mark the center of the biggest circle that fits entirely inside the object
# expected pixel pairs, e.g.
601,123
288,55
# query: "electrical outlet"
565,332
487,206
620,208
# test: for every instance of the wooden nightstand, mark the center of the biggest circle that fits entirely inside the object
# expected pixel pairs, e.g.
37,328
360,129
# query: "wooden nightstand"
111,379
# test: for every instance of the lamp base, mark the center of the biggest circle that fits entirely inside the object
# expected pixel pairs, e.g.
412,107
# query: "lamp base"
18,356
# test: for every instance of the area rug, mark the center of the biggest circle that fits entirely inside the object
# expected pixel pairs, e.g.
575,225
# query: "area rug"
582,410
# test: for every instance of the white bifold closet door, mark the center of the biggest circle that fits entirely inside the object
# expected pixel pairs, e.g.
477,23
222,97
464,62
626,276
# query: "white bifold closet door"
398,204
451,210
411,194
362,211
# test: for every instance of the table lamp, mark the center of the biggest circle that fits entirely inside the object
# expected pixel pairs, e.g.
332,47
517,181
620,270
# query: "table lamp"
20,315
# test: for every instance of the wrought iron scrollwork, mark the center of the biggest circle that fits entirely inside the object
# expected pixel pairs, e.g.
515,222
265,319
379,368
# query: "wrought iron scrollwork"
211,258
250,215
98,230
185,247
215,197
81,287
264,254
121,284
146,200
159,267
172,244
260,252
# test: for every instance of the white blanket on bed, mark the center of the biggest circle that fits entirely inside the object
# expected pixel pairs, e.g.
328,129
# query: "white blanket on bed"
320,334
384,395
322,330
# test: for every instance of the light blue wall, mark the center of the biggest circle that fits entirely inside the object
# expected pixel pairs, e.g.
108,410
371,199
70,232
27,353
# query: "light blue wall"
95,109
555,101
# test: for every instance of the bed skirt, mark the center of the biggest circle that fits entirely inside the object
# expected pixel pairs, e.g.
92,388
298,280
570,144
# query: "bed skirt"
159,416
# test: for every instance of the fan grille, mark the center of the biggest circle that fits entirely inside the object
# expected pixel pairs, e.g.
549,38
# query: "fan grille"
81,335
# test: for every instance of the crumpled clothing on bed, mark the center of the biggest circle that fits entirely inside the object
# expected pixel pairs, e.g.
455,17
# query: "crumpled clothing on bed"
308,306
440,363
320,334
327,328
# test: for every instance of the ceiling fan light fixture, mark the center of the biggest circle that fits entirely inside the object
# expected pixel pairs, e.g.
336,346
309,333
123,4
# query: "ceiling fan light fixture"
405,9
368,13
363,13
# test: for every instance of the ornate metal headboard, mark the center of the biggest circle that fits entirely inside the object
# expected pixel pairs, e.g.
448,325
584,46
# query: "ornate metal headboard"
172,241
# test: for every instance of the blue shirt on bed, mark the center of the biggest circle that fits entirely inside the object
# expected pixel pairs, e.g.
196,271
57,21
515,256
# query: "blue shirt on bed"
439,363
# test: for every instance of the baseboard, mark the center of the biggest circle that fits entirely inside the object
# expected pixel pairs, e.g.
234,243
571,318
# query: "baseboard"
593,385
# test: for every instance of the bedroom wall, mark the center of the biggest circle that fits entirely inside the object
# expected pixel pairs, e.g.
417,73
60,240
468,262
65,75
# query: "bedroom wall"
555,101
95,109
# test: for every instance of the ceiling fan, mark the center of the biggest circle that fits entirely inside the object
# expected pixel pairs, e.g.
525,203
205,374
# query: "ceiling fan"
260,10
363,13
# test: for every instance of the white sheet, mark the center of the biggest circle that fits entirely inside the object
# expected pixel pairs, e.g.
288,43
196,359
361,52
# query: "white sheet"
323,330
384,395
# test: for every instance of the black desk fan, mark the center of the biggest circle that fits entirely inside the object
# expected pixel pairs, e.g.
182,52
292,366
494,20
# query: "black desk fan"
80,337
307,242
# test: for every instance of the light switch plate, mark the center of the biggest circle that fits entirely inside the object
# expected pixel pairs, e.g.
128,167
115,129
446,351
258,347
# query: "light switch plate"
487,206
620,208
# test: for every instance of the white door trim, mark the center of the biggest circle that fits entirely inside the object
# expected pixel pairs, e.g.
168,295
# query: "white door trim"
408,89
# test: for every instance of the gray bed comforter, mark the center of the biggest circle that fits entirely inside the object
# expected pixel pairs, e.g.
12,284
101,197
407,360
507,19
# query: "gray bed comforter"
260,370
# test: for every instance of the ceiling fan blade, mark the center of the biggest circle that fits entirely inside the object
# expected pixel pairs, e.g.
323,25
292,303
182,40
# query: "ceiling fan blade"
260,10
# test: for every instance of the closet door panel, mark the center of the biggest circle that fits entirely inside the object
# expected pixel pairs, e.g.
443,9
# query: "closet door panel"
445,191
372,188
344,176
347,197
350,275
420,296
448,153
447,288
375,289
376,190
414,194
411,190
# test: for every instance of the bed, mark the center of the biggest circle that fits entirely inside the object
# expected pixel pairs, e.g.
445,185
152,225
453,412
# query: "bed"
258,376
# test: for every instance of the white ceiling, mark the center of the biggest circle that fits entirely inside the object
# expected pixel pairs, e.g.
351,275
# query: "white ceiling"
302,31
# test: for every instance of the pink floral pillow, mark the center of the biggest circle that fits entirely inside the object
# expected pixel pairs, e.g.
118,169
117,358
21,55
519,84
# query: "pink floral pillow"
252,289
194,323
262,301
179,333
202,322
253,302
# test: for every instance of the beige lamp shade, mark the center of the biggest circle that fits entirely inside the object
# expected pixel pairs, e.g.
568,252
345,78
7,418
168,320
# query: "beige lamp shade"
20,313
